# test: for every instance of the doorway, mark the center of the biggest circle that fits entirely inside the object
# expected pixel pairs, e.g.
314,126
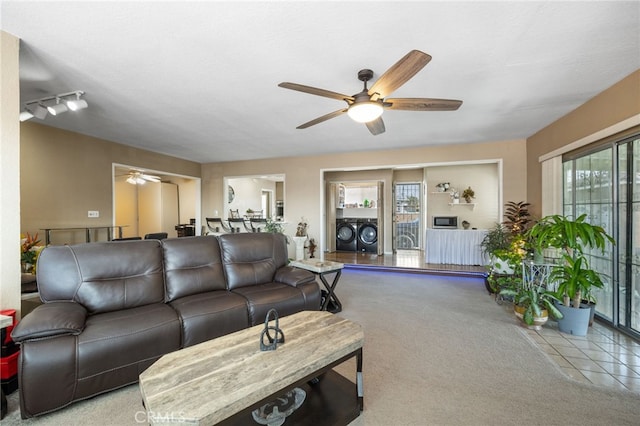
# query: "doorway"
407,216
154,206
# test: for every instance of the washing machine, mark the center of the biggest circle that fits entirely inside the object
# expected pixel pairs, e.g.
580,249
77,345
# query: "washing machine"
367,235
346,235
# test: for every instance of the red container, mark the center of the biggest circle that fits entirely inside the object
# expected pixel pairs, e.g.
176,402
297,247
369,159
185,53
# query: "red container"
9,366
9,313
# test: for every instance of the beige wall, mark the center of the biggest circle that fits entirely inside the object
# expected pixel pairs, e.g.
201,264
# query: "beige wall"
9,173
304,175
65,174
621,101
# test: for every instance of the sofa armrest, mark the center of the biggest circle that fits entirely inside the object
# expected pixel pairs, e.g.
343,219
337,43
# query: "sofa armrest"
293,276
51,319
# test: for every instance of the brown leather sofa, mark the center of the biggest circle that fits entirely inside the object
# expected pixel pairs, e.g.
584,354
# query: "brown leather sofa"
111,309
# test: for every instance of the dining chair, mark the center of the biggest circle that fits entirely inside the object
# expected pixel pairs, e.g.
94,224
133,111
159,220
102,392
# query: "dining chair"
217,225
257,224
238,224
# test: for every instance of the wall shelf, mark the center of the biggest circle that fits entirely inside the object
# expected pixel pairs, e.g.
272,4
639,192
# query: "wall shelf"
472,205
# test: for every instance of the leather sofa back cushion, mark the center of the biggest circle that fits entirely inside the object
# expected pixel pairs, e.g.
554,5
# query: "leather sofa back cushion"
192,265
252,258
103,277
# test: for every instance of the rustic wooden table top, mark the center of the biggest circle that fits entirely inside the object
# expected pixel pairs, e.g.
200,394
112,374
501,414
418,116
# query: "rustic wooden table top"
211,381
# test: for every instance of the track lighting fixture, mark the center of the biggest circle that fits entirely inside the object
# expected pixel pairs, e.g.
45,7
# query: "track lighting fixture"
54,105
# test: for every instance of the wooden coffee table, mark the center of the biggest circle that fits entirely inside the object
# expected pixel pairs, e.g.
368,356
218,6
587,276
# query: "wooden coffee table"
225,379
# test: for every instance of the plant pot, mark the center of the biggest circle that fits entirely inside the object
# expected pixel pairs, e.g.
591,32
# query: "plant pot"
501,266
592,308
574,321
538,322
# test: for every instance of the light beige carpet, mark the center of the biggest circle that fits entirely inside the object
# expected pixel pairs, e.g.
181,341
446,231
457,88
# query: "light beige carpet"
438,351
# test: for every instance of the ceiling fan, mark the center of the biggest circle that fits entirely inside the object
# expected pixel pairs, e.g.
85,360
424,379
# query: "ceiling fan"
136,177
367,106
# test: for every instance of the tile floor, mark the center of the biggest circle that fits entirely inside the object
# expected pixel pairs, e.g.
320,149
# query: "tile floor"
604,357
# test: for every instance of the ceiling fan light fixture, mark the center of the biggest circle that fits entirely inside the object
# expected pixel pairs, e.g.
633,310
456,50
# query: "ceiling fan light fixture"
135,180
364,112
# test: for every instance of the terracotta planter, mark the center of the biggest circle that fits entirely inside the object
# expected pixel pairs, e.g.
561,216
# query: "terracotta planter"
538,322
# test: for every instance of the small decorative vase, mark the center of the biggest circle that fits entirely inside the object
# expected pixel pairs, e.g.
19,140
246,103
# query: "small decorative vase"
456,201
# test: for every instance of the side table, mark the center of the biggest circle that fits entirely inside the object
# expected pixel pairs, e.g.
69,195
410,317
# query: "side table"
322,268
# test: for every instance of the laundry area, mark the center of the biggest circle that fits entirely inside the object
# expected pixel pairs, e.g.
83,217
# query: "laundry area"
356,216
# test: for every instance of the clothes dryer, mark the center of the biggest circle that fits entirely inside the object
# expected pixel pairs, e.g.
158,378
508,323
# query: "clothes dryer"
367,235
346,235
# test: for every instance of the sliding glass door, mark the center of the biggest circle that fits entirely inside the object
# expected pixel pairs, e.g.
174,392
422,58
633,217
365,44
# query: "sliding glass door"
629,234
605,185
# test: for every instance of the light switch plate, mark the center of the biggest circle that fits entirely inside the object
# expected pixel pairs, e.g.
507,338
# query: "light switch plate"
93,213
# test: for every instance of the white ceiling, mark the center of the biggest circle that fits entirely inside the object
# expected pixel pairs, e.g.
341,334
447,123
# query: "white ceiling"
198,80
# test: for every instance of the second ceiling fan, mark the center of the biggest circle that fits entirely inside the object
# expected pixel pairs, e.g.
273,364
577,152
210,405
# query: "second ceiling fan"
367,106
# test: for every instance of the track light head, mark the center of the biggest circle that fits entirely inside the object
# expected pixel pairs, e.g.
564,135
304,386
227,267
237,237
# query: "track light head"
58,108
26,115
77,103
39,111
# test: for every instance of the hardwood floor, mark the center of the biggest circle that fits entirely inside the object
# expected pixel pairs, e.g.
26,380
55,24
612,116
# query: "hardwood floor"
403,260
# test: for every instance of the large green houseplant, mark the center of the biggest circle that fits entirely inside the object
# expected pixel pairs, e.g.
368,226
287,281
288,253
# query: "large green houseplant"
574,278
506,245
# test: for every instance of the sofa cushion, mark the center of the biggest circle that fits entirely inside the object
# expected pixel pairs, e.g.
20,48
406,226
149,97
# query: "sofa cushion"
209,315
252,258
283,298
115,347
132,276
192,266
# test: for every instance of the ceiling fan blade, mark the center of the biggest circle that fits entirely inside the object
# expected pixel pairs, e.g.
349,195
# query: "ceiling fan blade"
422,104
321,119
318,92
399,74
376,126
150,178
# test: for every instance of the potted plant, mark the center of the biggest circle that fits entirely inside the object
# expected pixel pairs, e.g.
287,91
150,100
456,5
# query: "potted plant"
455,196
468,194
532,302
573,276
496,245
